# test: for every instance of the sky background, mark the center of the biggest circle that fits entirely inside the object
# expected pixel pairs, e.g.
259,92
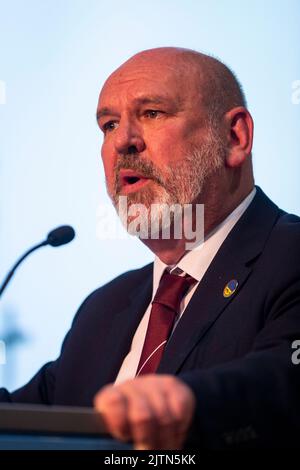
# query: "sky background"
54,58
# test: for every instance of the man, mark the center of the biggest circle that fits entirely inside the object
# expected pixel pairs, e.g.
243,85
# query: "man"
220,375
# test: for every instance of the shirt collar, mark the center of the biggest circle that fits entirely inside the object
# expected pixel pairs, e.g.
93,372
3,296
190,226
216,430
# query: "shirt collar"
196,261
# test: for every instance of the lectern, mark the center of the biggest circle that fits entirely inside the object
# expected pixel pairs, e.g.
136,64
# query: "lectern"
39,427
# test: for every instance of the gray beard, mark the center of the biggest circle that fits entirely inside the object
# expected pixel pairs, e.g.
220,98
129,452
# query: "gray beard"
182,183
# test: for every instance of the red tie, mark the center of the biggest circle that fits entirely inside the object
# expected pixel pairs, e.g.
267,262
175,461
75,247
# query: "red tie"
165,307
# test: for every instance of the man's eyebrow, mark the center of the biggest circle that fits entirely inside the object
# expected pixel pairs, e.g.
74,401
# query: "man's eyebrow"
142,100
103,112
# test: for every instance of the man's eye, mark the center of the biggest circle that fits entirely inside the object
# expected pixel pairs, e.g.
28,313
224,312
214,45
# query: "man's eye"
152,113
109,126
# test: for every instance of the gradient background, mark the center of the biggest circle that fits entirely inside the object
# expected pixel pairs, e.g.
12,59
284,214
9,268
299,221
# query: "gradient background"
54,57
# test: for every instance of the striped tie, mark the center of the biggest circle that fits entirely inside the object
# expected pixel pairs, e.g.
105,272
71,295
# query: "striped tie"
165,307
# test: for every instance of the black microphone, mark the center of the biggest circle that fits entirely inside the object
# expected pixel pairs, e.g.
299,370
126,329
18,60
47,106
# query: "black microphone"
59,236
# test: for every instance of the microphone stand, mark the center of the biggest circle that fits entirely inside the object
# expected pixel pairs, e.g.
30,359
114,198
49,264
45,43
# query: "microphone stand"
57,237
12,271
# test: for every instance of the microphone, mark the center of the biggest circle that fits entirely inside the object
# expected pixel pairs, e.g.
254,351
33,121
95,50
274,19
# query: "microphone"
60,236
57,237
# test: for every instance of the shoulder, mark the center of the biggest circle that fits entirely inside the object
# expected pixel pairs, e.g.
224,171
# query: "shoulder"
115,292
279,265
277,232
284,240
288,225
126,280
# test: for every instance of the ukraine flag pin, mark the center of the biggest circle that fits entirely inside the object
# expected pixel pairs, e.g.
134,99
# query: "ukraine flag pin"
230,288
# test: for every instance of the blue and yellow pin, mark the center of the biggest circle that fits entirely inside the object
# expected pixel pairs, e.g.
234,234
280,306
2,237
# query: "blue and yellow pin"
230,288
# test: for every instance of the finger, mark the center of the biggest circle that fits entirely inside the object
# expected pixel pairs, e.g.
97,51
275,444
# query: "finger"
182,405
111,403
153,426
141,418
165,424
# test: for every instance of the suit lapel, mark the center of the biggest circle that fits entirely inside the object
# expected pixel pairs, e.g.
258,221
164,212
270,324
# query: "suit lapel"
204,308
233,261
119,338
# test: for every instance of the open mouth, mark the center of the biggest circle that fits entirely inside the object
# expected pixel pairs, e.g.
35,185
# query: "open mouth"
131,180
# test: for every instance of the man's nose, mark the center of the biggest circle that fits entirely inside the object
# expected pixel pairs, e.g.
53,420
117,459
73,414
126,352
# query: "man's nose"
128,139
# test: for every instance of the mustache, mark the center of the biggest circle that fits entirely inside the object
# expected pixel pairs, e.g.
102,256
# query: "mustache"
142,166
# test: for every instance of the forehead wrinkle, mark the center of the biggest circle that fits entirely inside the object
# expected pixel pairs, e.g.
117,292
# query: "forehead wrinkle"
150,90
170,78
158,71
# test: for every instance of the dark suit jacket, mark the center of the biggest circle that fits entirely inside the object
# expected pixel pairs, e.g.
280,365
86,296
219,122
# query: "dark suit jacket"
234,352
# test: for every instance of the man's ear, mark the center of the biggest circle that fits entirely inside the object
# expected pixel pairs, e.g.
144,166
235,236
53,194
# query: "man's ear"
239,131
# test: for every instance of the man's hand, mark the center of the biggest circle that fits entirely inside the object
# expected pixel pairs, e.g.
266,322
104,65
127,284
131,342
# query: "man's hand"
153,411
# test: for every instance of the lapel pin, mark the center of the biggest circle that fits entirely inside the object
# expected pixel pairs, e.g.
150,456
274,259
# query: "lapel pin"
230,288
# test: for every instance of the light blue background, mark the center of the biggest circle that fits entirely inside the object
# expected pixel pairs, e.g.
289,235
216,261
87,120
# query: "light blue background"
54,57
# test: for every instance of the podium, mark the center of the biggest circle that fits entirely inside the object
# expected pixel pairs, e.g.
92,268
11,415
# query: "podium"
40,427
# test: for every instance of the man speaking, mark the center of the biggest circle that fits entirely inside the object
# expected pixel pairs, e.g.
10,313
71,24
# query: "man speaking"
198,344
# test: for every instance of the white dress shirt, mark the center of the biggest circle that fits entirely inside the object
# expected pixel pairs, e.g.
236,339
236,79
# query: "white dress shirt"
195,263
